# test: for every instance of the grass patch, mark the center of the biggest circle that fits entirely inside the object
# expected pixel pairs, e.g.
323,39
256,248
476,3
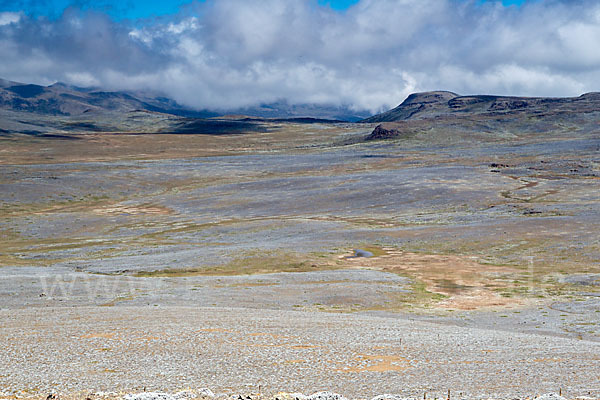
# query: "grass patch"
252,263
417,298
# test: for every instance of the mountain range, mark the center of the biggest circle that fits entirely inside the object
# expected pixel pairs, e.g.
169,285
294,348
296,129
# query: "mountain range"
61,108
68,100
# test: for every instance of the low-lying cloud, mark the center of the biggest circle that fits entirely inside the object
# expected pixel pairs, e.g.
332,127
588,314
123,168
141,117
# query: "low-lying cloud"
236,53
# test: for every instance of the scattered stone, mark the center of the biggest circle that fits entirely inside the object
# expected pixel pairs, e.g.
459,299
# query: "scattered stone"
183,395
290,396
205,392
530,211
390,397
550,396
149,396
335,396
103,394
186,394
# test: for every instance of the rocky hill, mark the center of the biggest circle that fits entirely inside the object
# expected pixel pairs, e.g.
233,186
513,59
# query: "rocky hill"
417,104
487,115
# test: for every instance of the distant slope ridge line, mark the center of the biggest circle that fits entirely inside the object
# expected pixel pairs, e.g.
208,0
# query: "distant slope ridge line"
66,100
445,116
443,103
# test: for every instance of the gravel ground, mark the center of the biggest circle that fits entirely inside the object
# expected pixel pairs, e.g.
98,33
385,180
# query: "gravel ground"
129,349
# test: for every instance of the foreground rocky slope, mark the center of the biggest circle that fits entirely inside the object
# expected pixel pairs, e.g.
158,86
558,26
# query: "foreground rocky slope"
206,393
233,351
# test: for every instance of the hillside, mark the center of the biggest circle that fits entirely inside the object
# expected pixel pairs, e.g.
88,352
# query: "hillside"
487,115
66,100
61,99
417,104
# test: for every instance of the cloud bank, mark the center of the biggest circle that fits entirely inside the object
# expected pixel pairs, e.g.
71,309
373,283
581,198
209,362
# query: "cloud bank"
221,54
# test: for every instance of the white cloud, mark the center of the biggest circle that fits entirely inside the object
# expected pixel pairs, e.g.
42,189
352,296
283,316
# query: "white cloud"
237,53
83,79
9,17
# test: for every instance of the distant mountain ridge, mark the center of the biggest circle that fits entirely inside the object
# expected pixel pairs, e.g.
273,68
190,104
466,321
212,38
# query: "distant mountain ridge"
64,109
487,115
63,99
442,103
67,100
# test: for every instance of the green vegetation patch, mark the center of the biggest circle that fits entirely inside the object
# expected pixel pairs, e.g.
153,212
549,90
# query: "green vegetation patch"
251,263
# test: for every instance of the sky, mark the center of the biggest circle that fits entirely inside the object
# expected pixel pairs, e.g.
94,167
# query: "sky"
364,54
136,9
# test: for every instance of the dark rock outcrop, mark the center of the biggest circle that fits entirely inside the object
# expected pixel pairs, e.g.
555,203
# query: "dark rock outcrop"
385,131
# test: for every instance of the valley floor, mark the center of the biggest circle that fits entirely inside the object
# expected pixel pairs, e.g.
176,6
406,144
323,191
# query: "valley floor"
166,262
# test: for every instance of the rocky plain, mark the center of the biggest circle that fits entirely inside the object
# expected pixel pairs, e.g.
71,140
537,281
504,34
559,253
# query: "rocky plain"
448,248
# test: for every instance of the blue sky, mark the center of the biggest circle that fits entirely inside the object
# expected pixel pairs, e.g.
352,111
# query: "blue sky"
136,9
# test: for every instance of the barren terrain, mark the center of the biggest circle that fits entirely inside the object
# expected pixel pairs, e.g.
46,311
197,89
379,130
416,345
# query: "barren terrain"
157,261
